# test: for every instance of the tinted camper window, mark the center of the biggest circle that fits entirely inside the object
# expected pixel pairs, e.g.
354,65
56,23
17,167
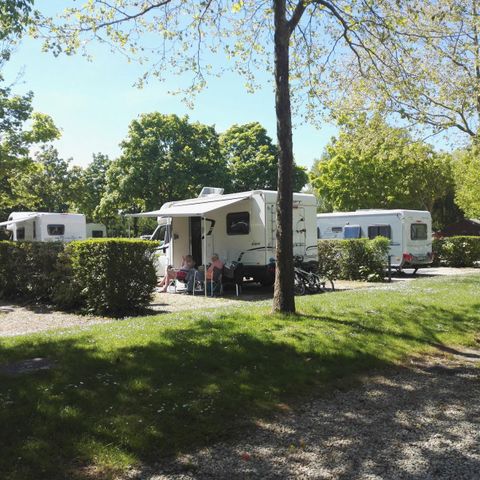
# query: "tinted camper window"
418,231
238,223
352,231
21,233
97,233
56,229
379,231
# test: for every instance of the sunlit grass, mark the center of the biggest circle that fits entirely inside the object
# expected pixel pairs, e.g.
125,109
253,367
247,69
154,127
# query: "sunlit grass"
135,390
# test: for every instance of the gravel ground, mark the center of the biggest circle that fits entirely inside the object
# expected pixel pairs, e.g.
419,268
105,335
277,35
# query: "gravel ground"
421,421
21,320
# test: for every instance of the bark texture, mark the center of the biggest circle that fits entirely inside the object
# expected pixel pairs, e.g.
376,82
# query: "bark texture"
284,298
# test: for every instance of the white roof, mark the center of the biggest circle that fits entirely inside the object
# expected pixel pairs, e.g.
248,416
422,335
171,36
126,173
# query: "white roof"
17,220
198,207
372,211
186,208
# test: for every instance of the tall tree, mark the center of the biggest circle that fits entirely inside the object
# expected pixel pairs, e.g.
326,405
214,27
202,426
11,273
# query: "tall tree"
374,165
46,186
306,35
434,80
164,157
467,181
89,185
252,159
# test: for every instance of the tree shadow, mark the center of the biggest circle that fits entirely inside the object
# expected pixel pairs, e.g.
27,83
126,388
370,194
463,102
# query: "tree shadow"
142,402
136,392
411,423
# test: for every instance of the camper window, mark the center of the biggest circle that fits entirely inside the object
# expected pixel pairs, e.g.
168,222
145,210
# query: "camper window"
97,233
352,231
337,229
418,231
56,229
379,231
238,223
161,234
21,233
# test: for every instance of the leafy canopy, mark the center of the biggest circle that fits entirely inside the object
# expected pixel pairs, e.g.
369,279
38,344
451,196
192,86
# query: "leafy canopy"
467,181
252,159
374,165
164,158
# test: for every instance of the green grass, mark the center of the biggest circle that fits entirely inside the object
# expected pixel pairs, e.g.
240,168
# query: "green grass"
132,391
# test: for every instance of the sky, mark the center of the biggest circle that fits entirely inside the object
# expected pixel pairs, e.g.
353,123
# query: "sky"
94,102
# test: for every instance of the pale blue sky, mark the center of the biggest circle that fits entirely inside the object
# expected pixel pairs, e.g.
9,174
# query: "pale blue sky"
94,102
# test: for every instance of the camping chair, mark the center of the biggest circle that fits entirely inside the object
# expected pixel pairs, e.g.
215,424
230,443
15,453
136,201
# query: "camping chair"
233,273
214,285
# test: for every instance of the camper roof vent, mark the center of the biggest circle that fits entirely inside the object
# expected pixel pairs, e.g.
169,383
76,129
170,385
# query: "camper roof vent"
210,192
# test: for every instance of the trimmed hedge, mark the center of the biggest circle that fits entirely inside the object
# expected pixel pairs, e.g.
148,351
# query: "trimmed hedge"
28,269
103,276
112,277
359,259
461,251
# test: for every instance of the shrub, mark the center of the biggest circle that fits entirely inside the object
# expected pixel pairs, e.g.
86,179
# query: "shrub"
7,277
109,276
28,269
359,259
461,251
330,259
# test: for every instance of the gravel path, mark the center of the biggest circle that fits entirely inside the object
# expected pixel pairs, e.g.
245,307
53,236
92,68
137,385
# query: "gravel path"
412,423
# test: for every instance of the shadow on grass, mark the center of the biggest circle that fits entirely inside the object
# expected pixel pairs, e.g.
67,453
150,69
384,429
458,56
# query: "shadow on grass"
106,407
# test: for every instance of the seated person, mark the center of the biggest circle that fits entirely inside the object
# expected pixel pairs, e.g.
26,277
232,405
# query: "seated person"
216,264
171,274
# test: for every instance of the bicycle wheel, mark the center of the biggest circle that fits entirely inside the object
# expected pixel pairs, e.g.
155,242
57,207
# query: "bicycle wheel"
299,285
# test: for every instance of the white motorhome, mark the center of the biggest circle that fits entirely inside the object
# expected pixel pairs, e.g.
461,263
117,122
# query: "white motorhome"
409,231
240,227
45,227
96,230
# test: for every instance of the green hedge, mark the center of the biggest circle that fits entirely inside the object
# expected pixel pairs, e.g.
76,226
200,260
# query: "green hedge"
461,251
112,277
28,270
359,259
103,276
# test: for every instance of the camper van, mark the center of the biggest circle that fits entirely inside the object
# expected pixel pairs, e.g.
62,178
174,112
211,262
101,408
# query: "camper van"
96,230
409,231
45,227
239,227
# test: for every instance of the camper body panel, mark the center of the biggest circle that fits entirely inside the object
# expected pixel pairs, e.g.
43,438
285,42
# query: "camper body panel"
47,227
410,232
96,230
244,231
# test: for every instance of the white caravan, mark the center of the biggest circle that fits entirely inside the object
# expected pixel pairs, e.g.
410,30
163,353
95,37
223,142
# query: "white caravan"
96,230
45,227
240,227
409,231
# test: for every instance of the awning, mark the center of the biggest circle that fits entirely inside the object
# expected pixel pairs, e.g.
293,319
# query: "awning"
177,209
17,220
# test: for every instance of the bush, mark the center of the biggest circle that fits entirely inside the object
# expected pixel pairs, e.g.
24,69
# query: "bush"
103,276
359,259
330,259
461,251
7,277
110,276
28,269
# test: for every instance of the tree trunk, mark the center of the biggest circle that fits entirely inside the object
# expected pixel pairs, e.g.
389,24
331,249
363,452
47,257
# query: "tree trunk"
283,298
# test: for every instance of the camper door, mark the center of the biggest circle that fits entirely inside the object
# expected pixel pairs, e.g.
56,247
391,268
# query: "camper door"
299,232
162,234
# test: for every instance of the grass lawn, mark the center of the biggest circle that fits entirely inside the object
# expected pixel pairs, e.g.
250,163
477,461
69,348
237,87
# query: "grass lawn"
135,390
